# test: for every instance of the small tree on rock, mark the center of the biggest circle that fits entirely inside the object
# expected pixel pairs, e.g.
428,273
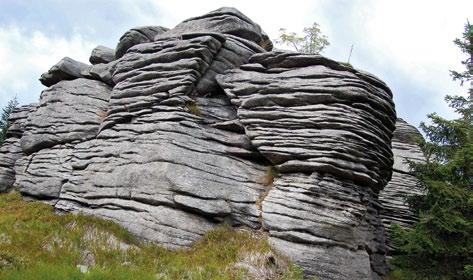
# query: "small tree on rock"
313,40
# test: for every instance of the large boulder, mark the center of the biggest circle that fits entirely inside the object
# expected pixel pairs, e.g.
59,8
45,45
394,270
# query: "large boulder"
102,54
327,129
172,175
66,69
136,36
68,111
226,20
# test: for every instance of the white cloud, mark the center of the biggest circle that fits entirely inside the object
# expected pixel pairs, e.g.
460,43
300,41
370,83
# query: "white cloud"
25,55
413,43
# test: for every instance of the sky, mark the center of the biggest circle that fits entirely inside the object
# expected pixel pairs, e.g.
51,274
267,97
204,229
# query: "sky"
406,43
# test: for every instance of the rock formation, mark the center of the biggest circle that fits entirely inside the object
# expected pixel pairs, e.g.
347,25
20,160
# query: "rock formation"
403,183
173,133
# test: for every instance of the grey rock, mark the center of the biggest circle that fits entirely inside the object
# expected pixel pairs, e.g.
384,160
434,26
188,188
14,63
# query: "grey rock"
163,163
155,72
302,117
101,72
224,20
327,263
206,207
327,225
40,176
10,152
403,183
137,35
234,52
308,114
157,163
66,69
174,138
18,120
68,111
10,149
102,54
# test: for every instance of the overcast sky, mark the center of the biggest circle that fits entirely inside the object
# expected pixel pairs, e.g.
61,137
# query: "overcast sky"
406,43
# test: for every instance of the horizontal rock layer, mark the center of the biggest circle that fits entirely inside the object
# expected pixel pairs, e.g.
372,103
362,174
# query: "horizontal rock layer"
306,113
10,149
68,111
404,183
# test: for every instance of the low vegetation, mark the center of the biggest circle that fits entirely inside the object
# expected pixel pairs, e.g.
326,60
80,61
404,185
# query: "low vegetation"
37,244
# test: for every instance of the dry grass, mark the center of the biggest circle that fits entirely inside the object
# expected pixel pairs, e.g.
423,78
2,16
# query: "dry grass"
102,115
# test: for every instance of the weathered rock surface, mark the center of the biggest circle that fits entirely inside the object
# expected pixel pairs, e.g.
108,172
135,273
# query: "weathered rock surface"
136,36
68,111
66,69
225,20
327,129
102,54
404,182
10,150
174,137
101,72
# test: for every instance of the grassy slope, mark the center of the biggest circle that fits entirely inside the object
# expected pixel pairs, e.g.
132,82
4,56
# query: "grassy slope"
37,244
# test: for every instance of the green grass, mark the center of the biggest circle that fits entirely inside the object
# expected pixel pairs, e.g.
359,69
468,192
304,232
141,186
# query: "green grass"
37,244
194,109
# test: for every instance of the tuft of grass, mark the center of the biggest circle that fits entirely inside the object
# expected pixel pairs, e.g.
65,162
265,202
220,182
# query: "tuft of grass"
37,244
194,109
347,64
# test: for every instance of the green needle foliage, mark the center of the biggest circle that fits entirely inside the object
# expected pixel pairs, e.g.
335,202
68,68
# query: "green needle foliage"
466,46
12,104
440,245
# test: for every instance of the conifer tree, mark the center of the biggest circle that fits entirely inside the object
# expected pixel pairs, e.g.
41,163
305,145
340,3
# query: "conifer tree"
12,104
441,243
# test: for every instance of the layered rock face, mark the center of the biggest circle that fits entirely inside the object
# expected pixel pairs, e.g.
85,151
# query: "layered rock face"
327,129
403,183
173,134
10,150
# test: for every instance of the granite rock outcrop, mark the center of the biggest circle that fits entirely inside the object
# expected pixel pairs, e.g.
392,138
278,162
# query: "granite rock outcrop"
404,182
327,129
181,130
